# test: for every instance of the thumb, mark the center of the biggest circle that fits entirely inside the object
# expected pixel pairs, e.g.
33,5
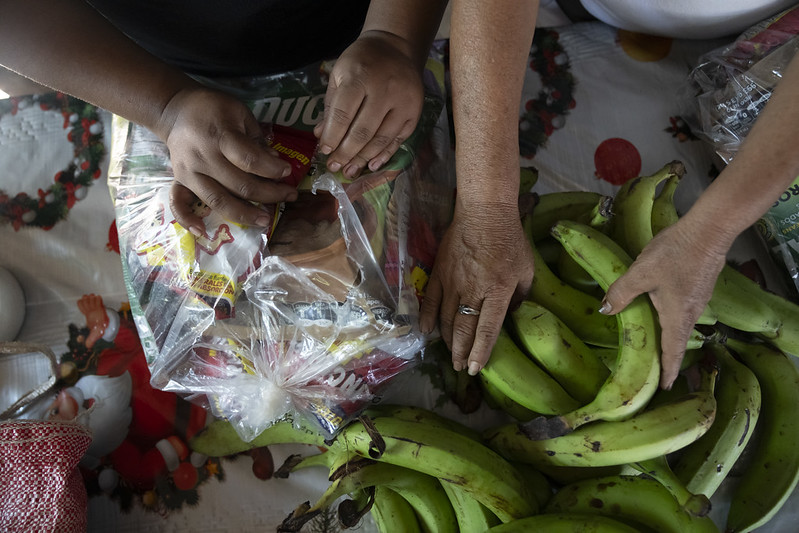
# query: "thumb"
623,291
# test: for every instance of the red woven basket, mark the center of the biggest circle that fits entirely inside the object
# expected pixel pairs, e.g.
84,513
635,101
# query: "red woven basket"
41,488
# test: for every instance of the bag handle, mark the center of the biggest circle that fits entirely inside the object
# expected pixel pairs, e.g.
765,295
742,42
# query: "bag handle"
16,348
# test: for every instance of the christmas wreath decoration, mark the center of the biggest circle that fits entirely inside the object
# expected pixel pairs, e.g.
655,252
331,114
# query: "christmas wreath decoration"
545,114
85,131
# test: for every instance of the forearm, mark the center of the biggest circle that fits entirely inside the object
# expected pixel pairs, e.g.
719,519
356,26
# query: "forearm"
763,168
489,46
67,46
415,22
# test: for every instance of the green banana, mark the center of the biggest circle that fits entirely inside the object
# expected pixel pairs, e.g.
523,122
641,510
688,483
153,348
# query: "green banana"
739,303
422,415
577,309
609,355
296,462
680,388
537,482
496,399
565,475
566,267
550,251
573,274
636,500
659,469
392,513
472,516
651,433
445,454
522,380
565,523
704,464
632,207
773,470
430,502
636,375
555,206
664,211
558,350
787,336
219,438
424,494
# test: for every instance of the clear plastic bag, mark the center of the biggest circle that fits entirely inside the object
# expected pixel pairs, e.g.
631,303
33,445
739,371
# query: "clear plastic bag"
730,85
312,317
725,93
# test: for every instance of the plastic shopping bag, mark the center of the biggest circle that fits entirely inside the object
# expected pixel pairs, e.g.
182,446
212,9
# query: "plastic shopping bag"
314,316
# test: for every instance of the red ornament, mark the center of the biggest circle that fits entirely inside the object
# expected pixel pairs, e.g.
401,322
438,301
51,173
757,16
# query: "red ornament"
617,161
263,466
185,476
113,238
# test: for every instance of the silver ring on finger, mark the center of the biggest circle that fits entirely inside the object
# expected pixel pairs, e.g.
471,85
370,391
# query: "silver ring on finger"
466,310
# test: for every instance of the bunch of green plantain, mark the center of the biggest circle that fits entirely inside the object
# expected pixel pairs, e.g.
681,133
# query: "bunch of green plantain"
412,469
590,441
744,381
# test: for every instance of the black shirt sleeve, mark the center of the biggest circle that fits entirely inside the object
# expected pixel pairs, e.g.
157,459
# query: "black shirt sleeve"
226,38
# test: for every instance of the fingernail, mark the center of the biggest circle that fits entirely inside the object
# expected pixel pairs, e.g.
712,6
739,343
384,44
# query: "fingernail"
197,232
263,221
351,170
474,368
375,164
605,308
457,366
333,166
325,149
286,172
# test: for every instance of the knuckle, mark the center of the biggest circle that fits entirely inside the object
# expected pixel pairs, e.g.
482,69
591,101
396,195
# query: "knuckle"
248,160
485,336
361,134
446,323
339,116
245,189
396,142
382,141
461,329
215,201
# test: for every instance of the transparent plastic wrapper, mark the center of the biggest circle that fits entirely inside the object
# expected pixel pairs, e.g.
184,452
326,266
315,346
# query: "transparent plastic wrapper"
313,316
725,93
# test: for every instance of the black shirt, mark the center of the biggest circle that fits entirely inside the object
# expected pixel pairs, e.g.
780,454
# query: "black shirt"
226,38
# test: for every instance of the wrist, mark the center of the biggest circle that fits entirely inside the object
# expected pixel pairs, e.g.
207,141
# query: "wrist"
718,230
489,211
399,43
171,109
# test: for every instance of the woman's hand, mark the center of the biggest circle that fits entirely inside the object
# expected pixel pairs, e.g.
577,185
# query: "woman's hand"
678,269
485,263
220,156
373,102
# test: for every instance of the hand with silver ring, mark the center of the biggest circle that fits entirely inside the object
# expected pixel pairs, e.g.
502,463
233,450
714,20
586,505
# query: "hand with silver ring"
466,310
484,266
